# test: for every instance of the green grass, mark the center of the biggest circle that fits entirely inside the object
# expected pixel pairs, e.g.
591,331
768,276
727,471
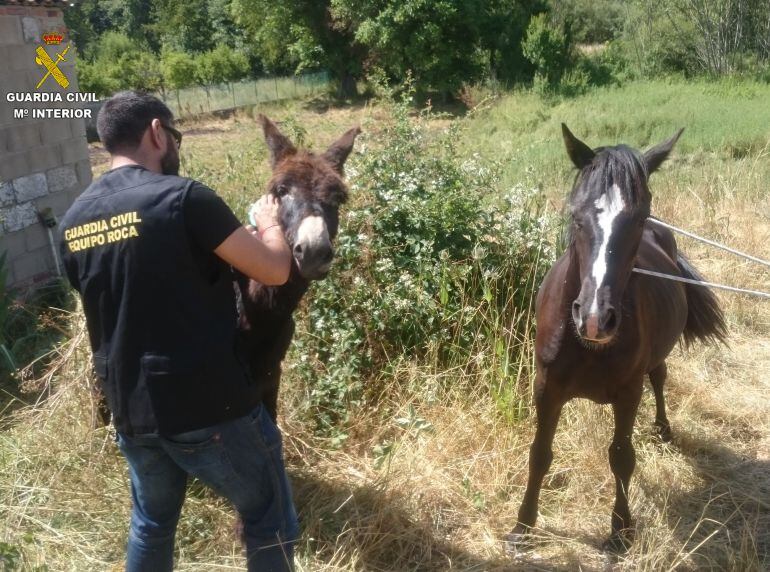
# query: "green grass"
723,121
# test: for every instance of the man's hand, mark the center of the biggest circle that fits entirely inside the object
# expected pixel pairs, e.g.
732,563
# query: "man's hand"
264,213
259,254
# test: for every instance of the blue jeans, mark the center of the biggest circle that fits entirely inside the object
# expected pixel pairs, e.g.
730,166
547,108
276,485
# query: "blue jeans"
241,460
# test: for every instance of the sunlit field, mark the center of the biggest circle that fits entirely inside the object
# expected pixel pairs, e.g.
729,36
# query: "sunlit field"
429,475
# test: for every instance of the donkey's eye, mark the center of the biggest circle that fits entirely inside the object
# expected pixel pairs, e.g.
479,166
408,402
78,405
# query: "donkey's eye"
578,224
282,190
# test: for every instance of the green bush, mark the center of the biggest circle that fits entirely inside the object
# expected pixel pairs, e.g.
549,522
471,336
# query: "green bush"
119,63
178,69
590,21
605,66
222,64
433,264
547,47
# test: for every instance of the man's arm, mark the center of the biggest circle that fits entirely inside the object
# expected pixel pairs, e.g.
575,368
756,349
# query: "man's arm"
267,261
212,227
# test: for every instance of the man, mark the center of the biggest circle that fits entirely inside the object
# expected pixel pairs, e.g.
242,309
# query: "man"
150,254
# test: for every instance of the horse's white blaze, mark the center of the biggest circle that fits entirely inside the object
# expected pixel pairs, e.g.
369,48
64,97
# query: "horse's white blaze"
312,233
610,205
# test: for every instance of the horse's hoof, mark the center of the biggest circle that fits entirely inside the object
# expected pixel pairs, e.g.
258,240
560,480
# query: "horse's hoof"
619,542
664,432
517,542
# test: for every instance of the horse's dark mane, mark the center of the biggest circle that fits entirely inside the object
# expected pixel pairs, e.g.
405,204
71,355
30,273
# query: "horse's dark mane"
621,165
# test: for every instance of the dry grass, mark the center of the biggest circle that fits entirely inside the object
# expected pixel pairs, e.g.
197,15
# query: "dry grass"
445,494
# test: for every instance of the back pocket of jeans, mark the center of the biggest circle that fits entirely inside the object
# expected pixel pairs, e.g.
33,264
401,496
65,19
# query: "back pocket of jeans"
268,431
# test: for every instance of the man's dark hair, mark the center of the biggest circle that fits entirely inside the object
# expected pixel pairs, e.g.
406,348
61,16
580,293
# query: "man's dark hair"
124,117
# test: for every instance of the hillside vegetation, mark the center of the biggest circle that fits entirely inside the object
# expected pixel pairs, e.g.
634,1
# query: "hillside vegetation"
407,448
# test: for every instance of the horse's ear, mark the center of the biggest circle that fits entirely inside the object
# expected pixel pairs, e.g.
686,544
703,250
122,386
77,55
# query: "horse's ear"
655,156
338,152
580,153
279,145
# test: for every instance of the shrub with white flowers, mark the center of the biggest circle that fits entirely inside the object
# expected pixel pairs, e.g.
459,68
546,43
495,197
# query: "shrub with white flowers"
431,258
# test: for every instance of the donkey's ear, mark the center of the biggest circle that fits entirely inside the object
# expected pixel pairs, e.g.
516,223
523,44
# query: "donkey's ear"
279,145
654,157
580,153
338,152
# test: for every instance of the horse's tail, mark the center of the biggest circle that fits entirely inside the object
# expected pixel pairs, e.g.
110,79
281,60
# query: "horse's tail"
705,320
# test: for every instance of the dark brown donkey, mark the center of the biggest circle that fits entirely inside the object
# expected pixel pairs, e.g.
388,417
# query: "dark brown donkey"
600,328
311,190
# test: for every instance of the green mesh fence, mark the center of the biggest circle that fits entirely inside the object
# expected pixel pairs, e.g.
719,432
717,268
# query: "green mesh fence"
197,100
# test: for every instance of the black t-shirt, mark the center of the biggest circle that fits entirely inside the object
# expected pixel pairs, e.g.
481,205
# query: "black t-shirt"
208,221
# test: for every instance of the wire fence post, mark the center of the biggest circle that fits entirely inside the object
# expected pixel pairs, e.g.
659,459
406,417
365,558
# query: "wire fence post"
232,91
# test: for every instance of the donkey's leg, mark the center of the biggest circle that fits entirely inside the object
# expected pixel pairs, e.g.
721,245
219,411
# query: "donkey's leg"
548,406
622,463
657,379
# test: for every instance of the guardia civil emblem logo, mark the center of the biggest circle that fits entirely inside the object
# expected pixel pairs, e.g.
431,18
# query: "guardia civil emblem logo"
51,66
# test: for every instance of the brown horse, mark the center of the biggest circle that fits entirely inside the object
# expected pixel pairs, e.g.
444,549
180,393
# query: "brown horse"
311,189
600,328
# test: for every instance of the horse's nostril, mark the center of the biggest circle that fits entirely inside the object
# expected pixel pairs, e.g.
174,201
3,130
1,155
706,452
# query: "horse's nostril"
575,308
298,249
328,255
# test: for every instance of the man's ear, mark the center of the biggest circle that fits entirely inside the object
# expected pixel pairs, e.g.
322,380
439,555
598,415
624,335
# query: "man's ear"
279,145
338,152
655,156
156,134
580,153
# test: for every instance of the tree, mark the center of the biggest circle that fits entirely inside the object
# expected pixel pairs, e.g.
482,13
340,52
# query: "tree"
178,69
183,25
436,40
299,35
220,65
546,46
88,20
502,29
120,63
694,36
590,21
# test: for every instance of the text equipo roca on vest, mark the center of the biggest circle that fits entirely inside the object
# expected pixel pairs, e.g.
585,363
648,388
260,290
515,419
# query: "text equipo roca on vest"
104,231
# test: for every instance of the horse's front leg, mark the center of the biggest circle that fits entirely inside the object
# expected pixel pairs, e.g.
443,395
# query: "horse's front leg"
657,379
622,462
548,405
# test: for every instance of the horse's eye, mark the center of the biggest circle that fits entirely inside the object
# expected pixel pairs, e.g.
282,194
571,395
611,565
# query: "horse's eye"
578,225
282,190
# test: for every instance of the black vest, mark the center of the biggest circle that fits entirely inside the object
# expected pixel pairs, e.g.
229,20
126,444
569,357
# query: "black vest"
163,336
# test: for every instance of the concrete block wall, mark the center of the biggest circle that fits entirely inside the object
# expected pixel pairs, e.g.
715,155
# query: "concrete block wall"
43,162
